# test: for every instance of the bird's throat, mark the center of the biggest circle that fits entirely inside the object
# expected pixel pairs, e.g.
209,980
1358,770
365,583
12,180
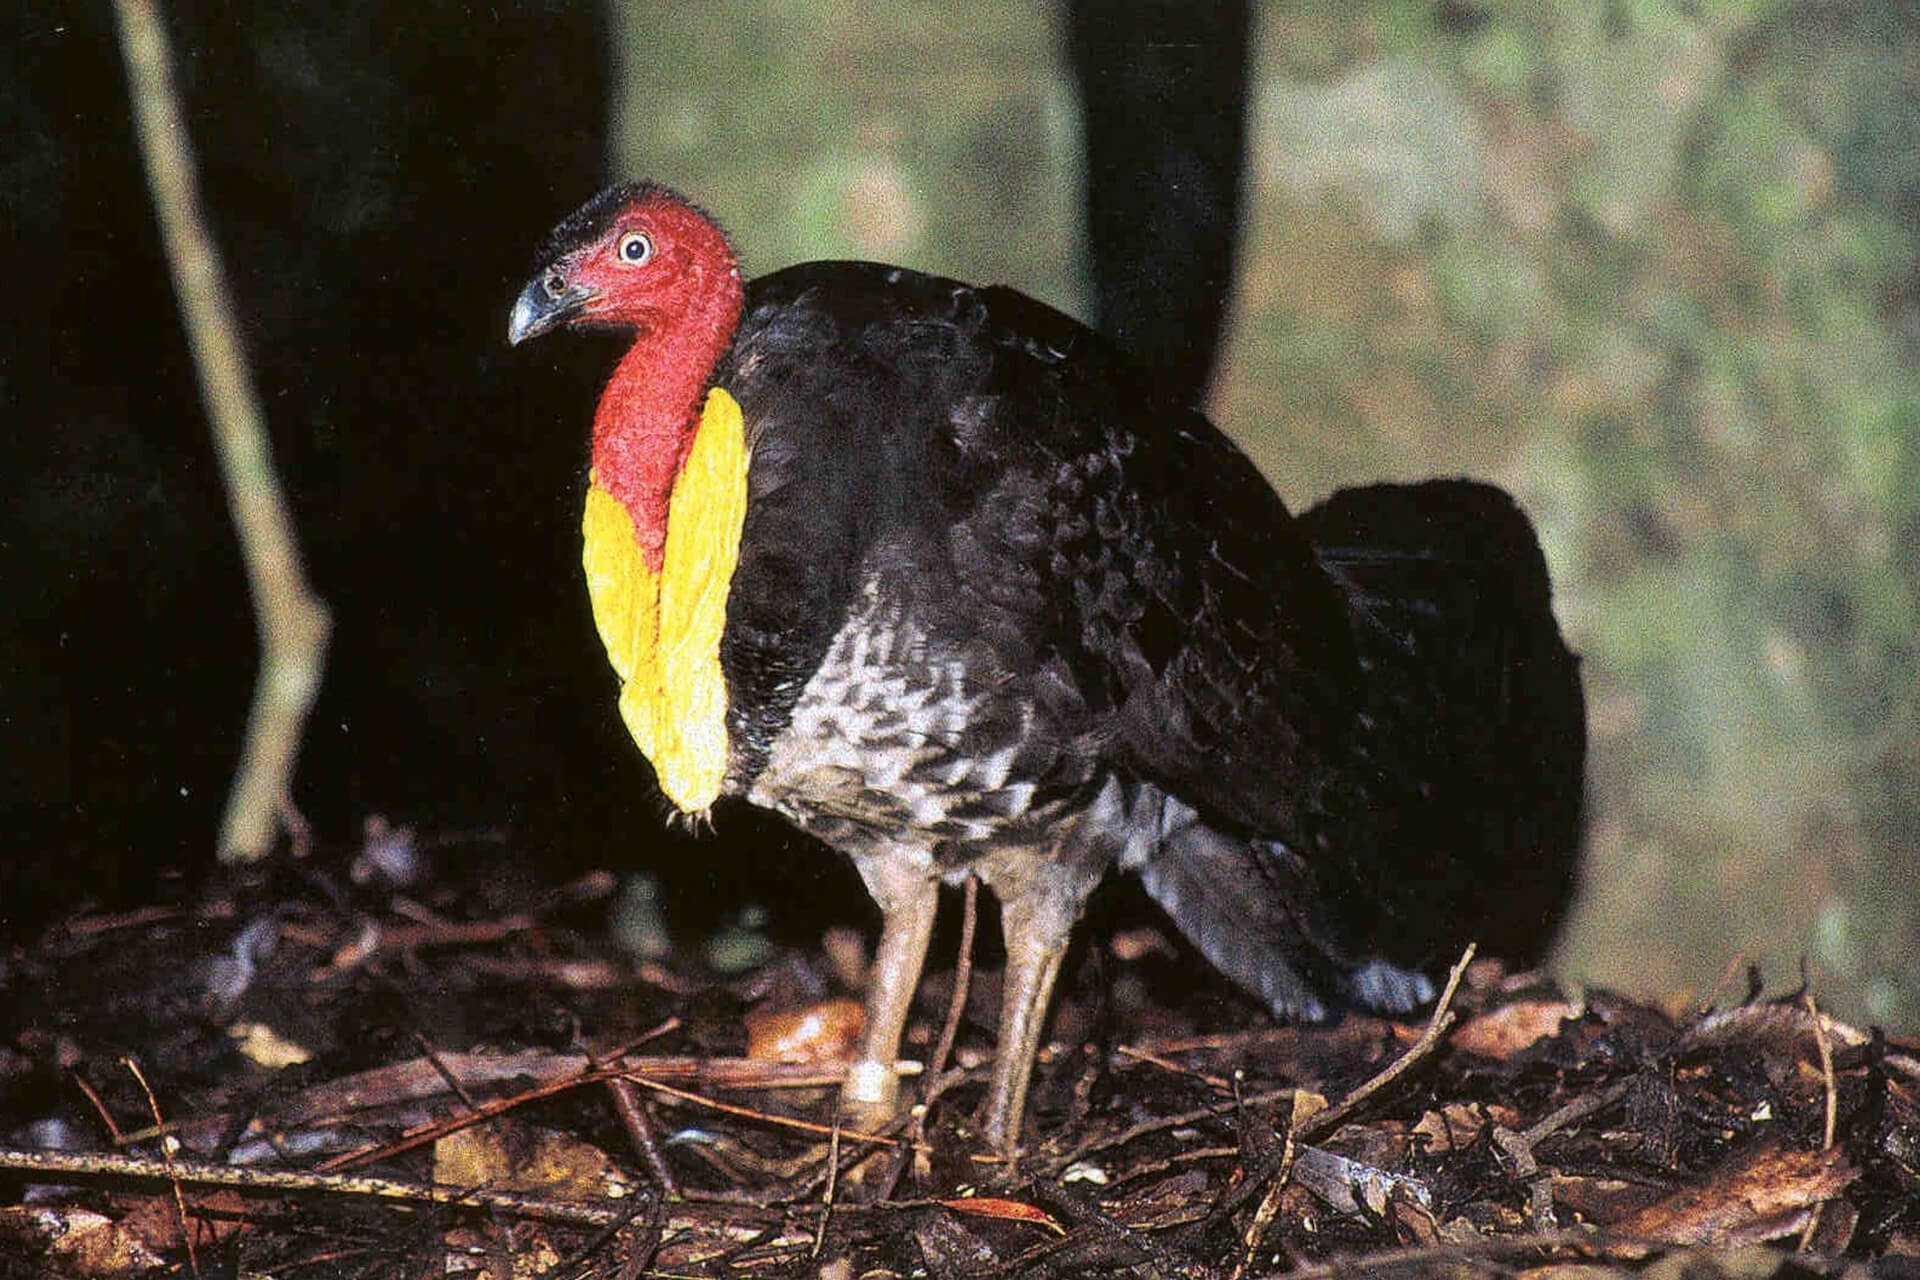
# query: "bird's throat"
662,541
647,420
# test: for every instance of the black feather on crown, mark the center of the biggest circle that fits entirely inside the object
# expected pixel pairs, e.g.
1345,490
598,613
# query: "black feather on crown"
590,221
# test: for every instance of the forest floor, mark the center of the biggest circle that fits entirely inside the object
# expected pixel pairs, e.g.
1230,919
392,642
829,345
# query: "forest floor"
464,1076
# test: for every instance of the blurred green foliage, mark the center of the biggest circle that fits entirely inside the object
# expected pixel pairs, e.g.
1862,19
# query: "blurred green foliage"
1652,265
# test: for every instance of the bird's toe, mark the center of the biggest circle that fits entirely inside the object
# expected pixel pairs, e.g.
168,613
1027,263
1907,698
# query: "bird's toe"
1387,988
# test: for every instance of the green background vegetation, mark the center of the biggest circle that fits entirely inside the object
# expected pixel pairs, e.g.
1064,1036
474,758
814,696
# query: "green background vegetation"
1651,265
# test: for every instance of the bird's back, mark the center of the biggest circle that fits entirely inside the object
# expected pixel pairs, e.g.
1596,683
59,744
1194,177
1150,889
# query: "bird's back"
1004,479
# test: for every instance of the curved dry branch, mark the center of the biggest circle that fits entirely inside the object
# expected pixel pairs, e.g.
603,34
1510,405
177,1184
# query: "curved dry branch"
292,621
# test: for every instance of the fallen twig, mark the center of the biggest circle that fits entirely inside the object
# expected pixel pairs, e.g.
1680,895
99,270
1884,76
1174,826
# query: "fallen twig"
1826,1072
1831,1117
1324,1122
1137,1250
962,979
633,1118
416,1080
439,1129
65,1166
1171,1067
1519,1148
1269,1206
833,1179
166,1155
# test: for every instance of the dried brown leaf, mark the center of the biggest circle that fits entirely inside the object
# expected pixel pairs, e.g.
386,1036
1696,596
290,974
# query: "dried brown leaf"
825,1031
1603,1201
213,1216
76,1242
1004,1210
1762,1195
1502,1033
506,1156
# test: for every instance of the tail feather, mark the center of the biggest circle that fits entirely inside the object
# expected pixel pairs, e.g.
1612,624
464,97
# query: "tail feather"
1221,895
1219,891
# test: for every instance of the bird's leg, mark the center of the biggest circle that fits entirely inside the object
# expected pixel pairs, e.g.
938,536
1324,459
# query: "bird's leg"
1037,925
907,898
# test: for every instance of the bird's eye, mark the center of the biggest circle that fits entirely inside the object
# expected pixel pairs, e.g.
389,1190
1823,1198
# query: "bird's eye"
555,284
635,248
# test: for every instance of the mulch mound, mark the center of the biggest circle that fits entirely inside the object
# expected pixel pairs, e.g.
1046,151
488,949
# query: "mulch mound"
319,1073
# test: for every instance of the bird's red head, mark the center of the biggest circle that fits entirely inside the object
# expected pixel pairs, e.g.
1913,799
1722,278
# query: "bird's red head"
640,257
636,256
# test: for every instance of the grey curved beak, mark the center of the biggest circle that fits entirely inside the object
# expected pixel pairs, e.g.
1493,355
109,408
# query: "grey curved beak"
546,303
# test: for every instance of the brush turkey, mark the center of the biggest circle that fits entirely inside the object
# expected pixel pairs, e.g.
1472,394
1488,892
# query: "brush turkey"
938,574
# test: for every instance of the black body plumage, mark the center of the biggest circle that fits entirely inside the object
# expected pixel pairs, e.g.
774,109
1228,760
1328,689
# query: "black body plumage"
998,595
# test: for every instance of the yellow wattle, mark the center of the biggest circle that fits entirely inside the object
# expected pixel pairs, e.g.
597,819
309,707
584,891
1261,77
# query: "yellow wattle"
662,630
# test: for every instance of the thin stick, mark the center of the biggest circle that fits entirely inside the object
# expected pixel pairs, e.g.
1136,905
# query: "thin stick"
1174,1068
1325,1122
58,1166
1159,1124
1833,1106
106,1116
640,1259
293,622
1192,1155
748,1113
633,1118
833,1180
1268,1208
1138,1251
1315,1127
576,1265
1826,1071
445,1072
1579,1109
1734,963
1526,1167
962,979
166,1154
438,1129
938,1081
1519,1148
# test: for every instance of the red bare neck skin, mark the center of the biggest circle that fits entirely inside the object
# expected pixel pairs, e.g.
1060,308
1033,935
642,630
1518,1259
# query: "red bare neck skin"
651,408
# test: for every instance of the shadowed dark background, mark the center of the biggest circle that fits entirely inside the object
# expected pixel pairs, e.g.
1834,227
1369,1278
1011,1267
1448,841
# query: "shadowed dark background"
1651,268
